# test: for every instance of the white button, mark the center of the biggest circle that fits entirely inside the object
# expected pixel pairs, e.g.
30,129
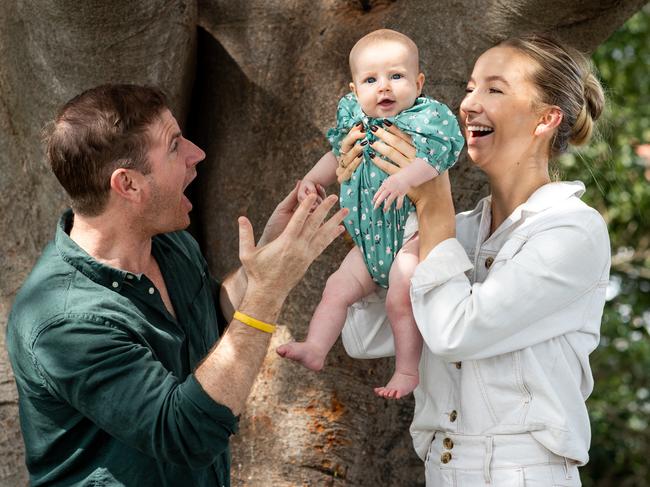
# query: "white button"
129,276
151,290
115,284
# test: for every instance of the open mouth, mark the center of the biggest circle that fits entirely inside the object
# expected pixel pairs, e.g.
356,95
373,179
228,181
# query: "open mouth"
479,130
386,103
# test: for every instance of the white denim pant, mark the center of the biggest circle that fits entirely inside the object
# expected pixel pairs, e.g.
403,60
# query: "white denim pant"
496,461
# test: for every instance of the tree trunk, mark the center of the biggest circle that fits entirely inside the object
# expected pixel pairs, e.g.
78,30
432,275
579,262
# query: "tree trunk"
257,91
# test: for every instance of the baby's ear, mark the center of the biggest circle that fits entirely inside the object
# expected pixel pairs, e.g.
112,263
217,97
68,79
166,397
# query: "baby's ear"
419,82
353,88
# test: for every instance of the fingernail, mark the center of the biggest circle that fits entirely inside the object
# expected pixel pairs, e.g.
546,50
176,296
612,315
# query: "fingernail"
359,123
362,129
388,123
365,142
373,128
371,154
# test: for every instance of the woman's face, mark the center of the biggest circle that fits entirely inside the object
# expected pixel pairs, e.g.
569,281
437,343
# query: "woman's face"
498,111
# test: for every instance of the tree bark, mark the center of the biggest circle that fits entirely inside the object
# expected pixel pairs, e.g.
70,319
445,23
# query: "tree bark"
257,92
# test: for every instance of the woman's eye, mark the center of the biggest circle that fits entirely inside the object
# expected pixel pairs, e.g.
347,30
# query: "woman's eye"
370,80
396,76
495,90
469,89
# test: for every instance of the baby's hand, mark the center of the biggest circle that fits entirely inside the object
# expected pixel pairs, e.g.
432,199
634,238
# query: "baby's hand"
393,188
307,187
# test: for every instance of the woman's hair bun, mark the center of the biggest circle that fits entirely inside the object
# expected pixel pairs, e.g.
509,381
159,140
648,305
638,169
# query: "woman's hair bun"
592,108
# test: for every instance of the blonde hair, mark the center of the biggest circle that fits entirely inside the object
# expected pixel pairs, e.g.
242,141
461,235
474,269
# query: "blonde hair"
384,35
564,78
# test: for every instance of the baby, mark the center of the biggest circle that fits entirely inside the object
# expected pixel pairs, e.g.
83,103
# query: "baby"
386,87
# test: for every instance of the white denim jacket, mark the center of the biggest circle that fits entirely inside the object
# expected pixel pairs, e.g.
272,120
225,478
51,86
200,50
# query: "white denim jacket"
508,322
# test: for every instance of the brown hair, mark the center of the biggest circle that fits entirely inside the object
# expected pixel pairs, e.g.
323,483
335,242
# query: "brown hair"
95,133
564,78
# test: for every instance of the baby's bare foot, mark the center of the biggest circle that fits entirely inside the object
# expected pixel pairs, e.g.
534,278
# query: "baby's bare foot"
400,385
304,353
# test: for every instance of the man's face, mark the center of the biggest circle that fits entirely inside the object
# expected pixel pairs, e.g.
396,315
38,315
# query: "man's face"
172,159
385,78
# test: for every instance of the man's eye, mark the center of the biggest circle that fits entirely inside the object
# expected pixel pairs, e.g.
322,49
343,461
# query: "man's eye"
370,80
174,146
396,76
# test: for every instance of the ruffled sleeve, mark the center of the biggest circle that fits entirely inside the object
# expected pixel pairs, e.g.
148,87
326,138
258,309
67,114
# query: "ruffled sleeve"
435,132
348,114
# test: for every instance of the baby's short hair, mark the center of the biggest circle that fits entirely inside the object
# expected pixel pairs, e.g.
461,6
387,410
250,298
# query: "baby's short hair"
384,35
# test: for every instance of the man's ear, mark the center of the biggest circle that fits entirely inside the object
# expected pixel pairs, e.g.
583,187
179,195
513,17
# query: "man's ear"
419,82
549,121
128,184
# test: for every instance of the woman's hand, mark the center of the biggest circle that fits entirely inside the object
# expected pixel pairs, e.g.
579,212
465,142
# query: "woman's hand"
351,153
433,200
397,146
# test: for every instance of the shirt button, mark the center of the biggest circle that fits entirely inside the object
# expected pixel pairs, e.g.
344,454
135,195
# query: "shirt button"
448,443
445,457
151,290
129,276
453,415
115,284
458,365
488,262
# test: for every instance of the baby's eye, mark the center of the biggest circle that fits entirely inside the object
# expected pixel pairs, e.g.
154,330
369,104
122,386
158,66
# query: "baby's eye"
396,76
371,80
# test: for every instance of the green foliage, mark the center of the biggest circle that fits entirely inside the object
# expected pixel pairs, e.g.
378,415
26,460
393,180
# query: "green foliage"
615,176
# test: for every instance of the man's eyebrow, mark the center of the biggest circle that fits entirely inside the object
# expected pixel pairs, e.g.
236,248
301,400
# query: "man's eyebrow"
175,135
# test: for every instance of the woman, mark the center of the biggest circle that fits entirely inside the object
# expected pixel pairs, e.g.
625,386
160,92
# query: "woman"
508,296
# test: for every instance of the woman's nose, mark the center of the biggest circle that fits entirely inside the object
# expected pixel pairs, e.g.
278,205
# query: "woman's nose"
470,103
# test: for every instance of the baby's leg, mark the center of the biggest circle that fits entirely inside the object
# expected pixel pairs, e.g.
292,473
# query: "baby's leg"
346,286
408,341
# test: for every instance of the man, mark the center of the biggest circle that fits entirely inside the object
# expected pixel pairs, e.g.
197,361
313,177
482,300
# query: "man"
114,337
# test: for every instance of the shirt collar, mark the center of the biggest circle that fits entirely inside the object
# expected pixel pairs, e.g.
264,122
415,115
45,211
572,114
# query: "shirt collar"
78,258
552,193
543,198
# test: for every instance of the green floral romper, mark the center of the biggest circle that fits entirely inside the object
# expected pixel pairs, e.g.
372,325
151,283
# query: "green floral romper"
437,139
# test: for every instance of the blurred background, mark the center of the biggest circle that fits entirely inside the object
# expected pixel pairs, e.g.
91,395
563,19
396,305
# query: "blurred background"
616,171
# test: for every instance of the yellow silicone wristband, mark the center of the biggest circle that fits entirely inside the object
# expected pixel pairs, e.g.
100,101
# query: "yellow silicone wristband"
250,321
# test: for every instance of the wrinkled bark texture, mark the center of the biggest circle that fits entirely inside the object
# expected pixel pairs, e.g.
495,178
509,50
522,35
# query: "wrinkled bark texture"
255,83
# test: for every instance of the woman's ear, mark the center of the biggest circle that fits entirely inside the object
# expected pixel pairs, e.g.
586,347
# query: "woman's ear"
549,121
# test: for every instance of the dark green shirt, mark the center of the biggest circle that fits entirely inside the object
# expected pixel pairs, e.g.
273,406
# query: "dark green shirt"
104,373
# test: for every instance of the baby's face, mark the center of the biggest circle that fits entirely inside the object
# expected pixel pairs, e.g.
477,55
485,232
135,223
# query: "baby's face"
385,78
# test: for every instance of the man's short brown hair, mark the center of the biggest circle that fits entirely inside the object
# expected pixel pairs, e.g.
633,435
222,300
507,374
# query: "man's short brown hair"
97,132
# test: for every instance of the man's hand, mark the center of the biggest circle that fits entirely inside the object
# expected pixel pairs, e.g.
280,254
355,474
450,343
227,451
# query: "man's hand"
283,212
277,264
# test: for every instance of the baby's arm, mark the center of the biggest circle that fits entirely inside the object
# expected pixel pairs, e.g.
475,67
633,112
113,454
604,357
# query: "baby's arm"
323,173
397,185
